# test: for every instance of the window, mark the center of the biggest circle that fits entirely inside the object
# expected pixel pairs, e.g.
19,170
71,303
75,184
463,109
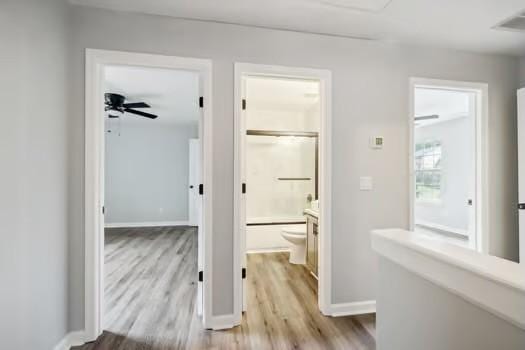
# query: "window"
428,170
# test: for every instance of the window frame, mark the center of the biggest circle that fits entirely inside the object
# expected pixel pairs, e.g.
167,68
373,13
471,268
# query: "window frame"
437,200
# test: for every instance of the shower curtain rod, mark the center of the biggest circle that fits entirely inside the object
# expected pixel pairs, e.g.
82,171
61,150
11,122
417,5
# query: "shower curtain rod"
282,133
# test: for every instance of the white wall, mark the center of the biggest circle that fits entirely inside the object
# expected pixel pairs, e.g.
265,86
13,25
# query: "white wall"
407,320
451,211
370,96
33,186
146,175
522,72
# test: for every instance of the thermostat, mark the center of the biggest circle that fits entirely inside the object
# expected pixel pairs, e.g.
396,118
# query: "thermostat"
376,142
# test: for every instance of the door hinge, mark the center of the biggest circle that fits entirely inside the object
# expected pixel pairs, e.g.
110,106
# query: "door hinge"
243,188
201,189
243,272
243,104
201,276
201,102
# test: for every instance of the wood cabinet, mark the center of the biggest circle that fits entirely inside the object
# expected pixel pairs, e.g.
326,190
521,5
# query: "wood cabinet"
312,244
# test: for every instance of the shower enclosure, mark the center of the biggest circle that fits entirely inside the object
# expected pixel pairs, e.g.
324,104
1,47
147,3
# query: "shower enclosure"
282,170
282,173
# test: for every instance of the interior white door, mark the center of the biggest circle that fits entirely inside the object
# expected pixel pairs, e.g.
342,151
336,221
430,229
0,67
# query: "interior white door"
194,181
521,172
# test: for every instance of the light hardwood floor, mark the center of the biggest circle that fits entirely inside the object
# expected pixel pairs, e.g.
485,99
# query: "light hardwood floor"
150,300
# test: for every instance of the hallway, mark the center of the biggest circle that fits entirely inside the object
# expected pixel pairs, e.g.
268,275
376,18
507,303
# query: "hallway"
150,295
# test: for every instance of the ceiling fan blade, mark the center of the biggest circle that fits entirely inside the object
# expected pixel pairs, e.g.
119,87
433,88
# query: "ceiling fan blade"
136,105
142,114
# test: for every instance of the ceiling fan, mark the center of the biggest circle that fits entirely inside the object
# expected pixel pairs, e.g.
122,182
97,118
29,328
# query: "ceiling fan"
115,102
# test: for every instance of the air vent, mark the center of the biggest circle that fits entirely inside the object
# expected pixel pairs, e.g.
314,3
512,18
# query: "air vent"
515,23
358,5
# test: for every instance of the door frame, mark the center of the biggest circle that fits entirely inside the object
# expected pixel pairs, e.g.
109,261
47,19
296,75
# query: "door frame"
193,207
481,190
325,174
96,60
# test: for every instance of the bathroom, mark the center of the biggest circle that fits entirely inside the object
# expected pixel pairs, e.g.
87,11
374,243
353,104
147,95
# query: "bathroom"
282,118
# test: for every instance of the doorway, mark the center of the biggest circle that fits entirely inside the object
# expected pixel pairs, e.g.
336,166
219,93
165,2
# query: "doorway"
448,198
103,123
282,172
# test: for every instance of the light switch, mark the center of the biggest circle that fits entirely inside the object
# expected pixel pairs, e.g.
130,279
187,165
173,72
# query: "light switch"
365,183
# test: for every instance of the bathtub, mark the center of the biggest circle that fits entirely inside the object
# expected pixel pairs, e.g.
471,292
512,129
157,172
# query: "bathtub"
263,234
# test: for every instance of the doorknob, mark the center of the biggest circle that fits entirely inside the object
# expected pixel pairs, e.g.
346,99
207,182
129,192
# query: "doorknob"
521,206
469,202
191,186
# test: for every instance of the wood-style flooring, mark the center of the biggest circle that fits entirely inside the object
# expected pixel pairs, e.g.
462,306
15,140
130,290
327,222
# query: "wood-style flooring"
150,292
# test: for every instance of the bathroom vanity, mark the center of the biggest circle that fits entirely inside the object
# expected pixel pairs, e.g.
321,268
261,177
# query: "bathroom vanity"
312,241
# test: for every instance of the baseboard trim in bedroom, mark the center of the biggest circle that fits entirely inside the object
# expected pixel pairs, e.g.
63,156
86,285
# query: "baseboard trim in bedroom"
71,339
146,224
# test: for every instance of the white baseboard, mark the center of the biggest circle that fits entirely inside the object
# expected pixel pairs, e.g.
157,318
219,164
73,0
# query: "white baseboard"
146,224
268,250
223,322
357,308
71,339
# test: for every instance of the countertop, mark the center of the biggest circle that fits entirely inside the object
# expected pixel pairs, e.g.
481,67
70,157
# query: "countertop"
311,212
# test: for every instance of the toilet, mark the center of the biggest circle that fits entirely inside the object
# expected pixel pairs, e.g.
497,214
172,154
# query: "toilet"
297,236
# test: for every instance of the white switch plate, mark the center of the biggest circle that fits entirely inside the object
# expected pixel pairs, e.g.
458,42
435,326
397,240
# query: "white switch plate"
365,183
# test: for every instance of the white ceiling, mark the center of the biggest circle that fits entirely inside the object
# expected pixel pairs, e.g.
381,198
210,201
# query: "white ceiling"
447,104
459,24
173,95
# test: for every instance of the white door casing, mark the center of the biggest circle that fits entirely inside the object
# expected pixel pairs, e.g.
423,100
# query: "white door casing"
521,171
194,181
243,70
479,211
96,60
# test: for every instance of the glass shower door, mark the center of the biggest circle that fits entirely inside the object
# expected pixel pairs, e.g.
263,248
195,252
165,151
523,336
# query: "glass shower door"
282,174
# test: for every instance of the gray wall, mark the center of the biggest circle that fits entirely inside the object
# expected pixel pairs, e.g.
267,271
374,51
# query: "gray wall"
33,191
147,172
370,96
522,72
407,320
456,166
